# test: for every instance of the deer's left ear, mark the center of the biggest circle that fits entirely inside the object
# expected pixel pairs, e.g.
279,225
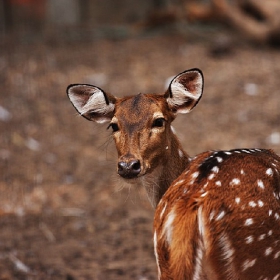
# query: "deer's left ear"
185,90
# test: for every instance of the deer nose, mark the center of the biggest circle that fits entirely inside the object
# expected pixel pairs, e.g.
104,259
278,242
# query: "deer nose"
129,169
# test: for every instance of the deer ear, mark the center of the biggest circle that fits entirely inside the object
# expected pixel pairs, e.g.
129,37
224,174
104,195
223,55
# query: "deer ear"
92,102
185,90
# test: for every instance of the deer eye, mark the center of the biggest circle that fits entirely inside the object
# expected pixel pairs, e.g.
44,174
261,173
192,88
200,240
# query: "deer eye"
114,127
158,122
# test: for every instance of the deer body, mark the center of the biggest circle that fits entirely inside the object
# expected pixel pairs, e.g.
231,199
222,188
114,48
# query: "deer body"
218,214
221,218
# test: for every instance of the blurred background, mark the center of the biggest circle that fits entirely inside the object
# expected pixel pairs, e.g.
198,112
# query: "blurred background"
64,213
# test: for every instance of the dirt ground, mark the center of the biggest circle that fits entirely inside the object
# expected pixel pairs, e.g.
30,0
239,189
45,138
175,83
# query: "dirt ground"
64,212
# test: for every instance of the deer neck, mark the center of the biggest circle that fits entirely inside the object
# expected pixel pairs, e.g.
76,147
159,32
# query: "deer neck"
174,161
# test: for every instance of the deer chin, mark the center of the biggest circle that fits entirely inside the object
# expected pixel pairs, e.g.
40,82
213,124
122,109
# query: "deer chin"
132,181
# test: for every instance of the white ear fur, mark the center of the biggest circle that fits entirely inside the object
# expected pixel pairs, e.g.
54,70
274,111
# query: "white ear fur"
92,102
185,90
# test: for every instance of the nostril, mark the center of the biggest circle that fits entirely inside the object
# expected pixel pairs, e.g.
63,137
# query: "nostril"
122,167
135,166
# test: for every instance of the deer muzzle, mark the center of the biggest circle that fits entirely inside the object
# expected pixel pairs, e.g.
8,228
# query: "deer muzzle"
129,168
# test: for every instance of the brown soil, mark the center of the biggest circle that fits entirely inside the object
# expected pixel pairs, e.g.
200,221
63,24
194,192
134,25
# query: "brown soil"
64,212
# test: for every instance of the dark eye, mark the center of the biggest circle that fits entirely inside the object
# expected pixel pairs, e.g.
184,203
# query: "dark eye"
114,126
158,122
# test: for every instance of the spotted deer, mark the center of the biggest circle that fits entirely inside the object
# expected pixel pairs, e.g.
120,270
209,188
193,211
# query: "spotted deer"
218,214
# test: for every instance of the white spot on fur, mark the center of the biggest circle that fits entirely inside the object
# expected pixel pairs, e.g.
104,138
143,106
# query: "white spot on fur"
277,255
204,194
249,239
195,175
268,251
181,154
248,222
205,185
211,176
260,203
228,153
242,172
237,200
220,215
270,233
218,183
260,184
215,169
262,237
269,172
252,204
276,215
235,181
179,182
248,263
219,159
212,214
269,212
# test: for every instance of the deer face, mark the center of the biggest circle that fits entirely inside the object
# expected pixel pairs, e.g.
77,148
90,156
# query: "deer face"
141,124
141,129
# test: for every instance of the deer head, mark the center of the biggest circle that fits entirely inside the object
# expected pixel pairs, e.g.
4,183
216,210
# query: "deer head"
141,127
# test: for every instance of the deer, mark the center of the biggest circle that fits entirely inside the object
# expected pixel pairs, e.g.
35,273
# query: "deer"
217,214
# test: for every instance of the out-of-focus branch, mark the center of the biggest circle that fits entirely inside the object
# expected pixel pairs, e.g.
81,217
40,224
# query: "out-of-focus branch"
257,19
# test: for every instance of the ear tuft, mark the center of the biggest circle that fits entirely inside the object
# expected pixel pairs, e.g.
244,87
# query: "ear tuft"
92,102
185,91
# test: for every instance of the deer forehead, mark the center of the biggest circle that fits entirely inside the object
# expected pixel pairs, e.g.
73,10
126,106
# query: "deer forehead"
138,119
140,110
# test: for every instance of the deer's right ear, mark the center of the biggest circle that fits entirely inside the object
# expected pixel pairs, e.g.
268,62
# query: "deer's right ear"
185,90
92,102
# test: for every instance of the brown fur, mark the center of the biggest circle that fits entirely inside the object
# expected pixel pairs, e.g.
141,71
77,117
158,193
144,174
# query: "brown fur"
232,243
